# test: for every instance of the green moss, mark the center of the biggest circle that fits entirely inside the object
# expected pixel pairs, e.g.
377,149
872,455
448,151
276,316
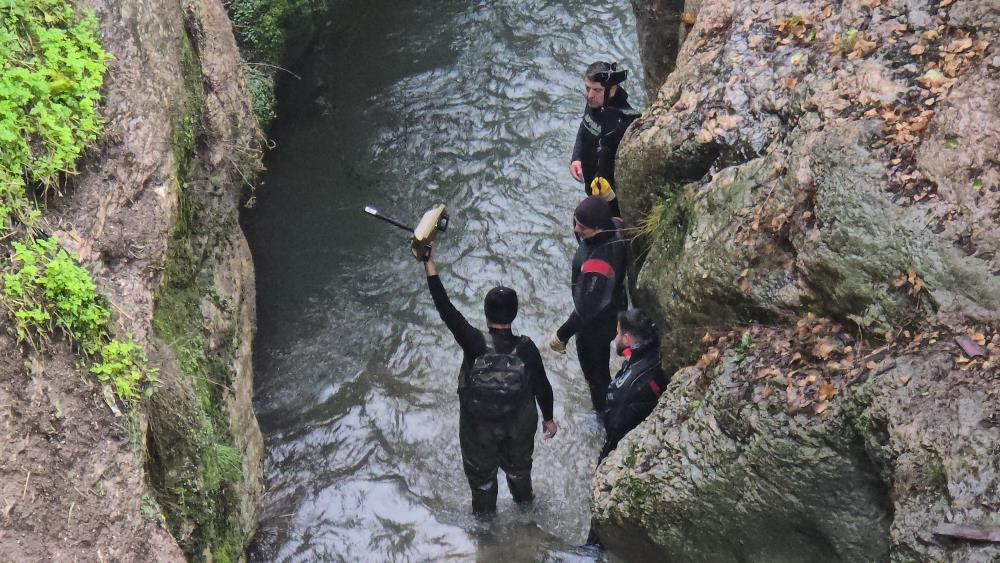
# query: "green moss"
188,112
197,470
194,470
637,491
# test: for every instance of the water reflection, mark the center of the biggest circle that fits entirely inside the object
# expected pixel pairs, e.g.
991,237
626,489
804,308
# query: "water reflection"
403,105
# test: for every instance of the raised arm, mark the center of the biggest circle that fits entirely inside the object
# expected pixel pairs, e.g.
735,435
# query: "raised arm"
465,334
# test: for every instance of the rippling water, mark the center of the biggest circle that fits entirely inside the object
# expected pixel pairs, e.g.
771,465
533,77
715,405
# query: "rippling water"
406,105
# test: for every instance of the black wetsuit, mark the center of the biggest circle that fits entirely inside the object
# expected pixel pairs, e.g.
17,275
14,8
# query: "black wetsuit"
632,395
598,283
489,444
597,140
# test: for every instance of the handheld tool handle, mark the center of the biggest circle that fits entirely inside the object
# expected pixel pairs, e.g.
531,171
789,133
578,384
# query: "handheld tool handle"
374,213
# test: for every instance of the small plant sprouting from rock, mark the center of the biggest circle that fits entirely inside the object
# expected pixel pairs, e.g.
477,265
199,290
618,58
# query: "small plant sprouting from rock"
743,347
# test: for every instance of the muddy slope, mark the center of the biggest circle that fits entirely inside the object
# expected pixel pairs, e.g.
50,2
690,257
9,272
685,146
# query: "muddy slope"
153,216
821,192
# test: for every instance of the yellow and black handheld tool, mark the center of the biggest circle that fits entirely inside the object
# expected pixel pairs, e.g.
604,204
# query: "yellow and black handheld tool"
434,220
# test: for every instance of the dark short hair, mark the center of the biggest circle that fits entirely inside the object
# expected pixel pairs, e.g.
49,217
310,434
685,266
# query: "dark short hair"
639,325
594,68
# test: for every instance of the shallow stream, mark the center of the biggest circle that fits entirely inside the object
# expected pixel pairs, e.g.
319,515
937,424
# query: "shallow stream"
404,105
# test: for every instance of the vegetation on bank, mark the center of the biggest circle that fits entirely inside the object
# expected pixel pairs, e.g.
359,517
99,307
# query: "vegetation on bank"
264,29
50,84
50,87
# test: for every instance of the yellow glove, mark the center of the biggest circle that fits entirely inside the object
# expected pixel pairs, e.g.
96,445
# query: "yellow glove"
556,344
600,186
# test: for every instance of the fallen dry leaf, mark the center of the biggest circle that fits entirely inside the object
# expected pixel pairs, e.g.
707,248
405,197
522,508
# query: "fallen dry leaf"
825,347
826,390
822,407
862,48
687,18
932,78
871,365
767,373
708,358
959,45
917,49
904,379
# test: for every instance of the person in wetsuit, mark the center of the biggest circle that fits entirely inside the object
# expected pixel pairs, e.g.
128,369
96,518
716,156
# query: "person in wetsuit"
598,285
606,116
636,388
489,443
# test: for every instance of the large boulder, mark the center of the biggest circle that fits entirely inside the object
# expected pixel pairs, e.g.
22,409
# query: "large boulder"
804,159
747,459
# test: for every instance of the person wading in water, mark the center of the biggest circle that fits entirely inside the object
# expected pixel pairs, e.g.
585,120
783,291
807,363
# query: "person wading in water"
598,285
499,383
606,116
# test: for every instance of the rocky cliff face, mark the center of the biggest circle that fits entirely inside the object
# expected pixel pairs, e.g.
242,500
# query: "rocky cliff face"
820,194
153,216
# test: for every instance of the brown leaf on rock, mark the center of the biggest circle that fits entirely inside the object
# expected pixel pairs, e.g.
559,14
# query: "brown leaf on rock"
708,358
862,48
826,390
822,406
932,78
904,379
959,45
768,373
917,49
795,399
825,347
687,18
744,285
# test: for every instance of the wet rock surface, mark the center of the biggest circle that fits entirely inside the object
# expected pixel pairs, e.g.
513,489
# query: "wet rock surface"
167,172
834,160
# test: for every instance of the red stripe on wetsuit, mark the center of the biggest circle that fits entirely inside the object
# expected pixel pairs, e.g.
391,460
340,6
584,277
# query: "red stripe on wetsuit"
595,266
